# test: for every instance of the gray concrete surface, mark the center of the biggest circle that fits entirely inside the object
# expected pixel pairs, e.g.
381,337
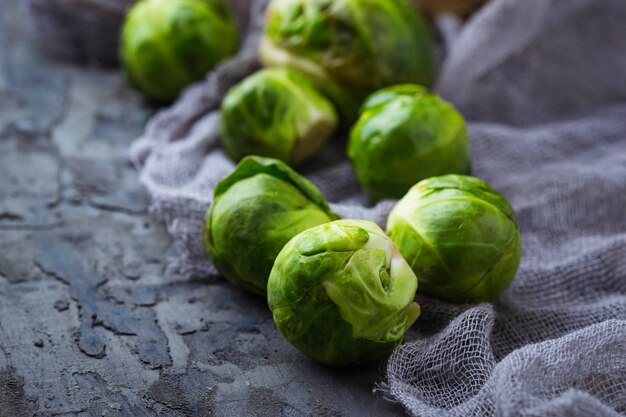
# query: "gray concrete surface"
90,322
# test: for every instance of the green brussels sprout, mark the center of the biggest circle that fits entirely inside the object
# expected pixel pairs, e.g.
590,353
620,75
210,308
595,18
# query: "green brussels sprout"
405,134
342,293
350,47
167,44
279,113
460,237
258,208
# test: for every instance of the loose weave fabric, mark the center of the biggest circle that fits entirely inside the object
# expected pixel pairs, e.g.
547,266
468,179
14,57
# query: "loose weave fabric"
543,86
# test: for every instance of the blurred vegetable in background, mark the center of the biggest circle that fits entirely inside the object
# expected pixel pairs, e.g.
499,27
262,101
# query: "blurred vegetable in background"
279,113
258,208
460,237
342,293
350,47
167,44
405,134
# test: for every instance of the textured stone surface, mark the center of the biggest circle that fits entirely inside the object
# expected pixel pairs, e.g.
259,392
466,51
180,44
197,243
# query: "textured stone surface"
90,322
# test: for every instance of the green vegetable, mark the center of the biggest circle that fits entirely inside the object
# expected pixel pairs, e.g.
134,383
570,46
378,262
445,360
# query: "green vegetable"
167,44
350,47
279,113
342,294
406,134
460,237
258,208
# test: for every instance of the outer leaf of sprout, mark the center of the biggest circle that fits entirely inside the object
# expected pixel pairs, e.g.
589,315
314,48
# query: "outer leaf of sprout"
405,134
278,113
460,237
256,210
167,44
342,293
350,47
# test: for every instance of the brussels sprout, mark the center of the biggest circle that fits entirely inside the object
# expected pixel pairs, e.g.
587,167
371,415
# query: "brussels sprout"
460,237
279,113
258,208
405,134
350,47
342,293
167,44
